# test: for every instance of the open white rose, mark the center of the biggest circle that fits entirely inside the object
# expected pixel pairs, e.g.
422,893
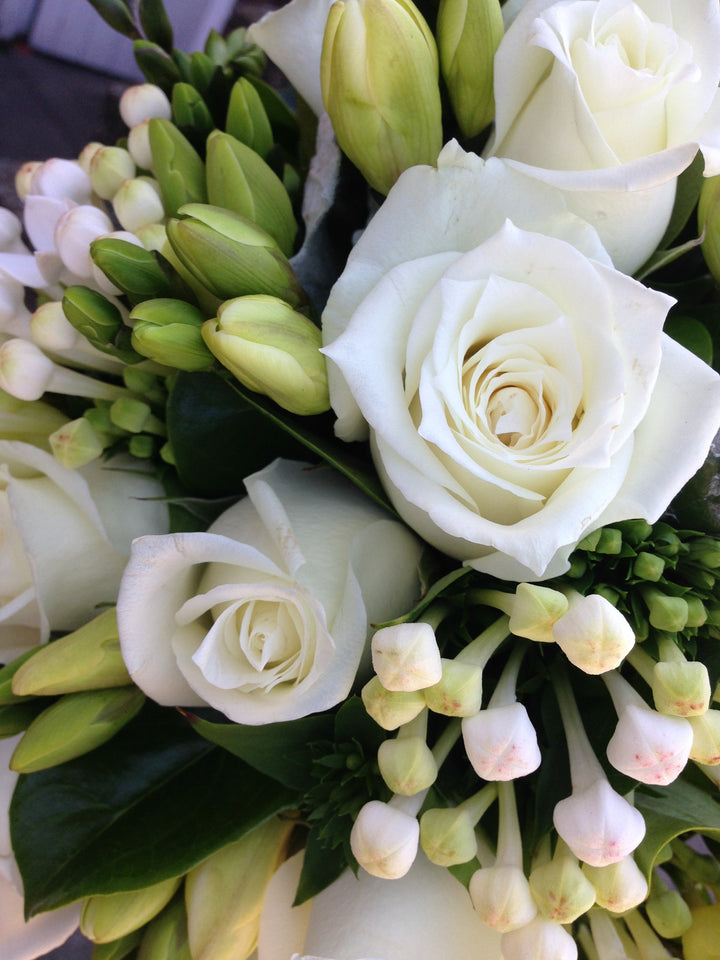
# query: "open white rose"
266,616
519,392
64,539
427,914
21,940
610,100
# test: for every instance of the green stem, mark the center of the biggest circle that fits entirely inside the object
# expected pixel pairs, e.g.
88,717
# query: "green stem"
479,651
585,767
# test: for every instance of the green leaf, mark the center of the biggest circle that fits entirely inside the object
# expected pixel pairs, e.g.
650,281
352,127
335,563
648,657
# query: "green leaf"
156,65
669,812
118,14
435,590
156,23
149,805
353,722
279,750
218,438
686,197
322,865
693,335
661,258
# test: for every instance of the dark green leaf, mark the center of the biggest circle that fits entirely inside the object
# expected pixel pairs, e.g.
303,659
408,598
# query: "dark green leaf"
279,750
322,865
353,722
692,334
697,506
156,65
156,23
686,197
149,805
118,14
435,590
218,438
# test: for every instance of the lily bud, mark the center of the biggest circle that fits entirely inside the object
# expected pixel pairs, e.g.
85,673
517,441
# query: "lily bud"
76,444
540,939
230,255
619,886
74,233
86,659
137,203
107,917
502,898
561,890
238,179
665,612
247,119
224,894
501,743
273,350
406,656
535,611
391,709
468,33
61,179
593,634
379,79
169,332
143,101
108,168
706,738
407,765
681,688
166,937
74,725
384,840
176,164
459,691
599,825
708,215
190,110
93,316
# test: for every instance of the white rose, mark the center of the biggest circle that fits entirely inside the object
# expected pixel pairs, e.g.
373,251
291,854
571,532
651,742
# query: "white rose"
265,617
427,914
519,394
20,940
610,100
64,539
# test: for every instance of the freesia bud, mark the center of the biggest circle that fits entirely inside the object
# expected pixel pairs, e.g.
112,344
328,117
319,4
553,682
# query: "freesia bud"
593,634
61,179
407,765
706,737
143,101
74,725
379,79
459,691
247,119
50,328
501,743
224,894
238,179
74,233
468,33
619,886
599,825
137,203
166,936
93,316
138,144
130,267
86,659
169,332
76,444
535,611
273,350
109,167
384,840
23,178
501,896
87,153
540,939
560,889
108,917
391,709
230,255
176,164
406,656
681,688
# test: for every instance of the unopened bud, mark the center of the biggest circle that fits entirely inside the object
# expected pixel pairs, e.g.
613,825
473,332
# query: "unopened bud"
708,216
138,204
28,421
649,746
706,738
448,836
391,708
107,917
384,840
109,167
247,119
273,350
540,939
87,153
501,743
561,890
668,913
599,825
130,414
459,691
648,566
179,170
406,656
502,898
138,144
75,444
594,635
619,886
681,688
407,765
74,725
190,110
535,611
98,319
130,267
666,612
25,371
74,233
50,329
143,101
166,936
23,178
169,332
61,179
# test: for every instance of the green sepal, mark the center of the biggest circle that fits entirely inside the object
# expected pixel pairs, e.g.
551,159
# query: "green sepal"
118,15
156,23
157,67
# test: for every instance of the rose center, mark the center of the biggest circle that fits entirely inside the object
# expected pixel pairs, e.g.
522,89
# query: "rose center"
266,635
512,414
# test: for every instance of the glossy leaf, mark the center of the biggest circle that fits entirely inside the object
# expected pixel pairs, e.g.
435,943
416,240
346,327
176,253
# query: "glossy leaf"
118,15
322,866
156,23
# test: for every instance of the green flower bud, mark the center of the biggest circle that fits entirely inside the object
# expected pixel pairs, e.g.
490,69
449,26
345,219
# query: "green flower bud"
247,119
130,414
238,179
133,269
273,350
224,894
379,79
535,611
635,531
168,331
30,421
407,765
74,725
561,890
86,659
697,612
118,949
468,34
189,109
76,444
458,693
705,552
391,709
708,214
111,916
141,446
665,612
179,170
648,566
700,867
108,168
668,913
610,541
681,688
618,886
448,836
230,255
166,937
99,321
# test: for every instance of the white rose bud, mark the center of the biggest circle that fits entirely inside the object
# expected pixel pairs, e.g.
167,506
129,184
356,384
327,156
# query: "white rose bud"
406,656
384,840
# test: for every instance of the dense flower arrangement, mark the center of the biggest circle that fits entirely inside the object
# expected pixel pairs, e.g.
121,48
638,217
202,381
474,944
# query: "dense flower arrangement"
358,495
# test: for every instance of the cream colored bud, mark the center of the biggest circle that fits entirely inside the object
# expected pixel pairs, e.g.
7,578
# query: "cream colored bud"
87,153
138,144
143,101
535,611
61,179
25,371
108,168
459,691
50,329
502,898
76,444
540,939
680,688
23,178
618,886
501,743
407,765
406,656
384,840
599,825
74,233
561,890
594,635
448,836
391,709
138,204
706,737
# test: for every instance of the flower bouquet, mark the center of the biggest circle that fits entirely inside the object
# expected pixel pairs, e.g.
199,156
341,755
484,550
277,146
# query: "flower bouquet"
359,501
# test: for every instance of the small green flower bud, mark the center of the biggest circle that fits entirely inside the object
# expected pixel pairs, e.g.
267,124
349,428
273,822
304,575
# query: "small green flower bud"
610,541
705,552
407,765
74,725
666,540
138,203
379,79
448,836
99,321
459,692
230,255
189,109
108,917
166,937
561,890
665,612
648,566
141,446
391,708
247,119
535,611
76,444
668,913
169,332
108,168
130,414
273,350
681,688
697,612
635,531
238,179
179,170
86,659
468,34
131,268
